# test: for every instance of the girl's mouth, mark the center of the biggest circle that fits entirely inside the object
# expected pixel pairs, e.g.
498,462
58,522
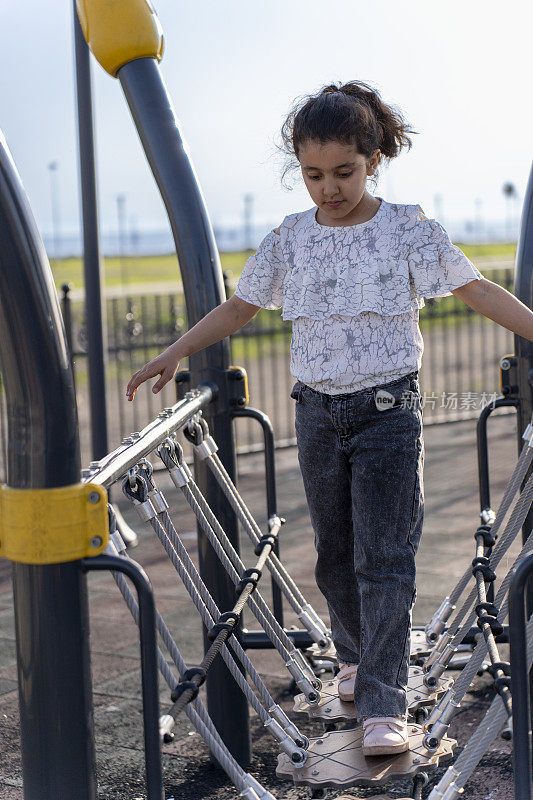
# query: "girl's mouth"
334,205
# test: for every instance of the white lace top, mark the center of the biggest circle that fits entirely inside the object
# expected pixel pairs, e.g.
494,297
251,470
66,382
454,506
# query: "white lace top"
353,293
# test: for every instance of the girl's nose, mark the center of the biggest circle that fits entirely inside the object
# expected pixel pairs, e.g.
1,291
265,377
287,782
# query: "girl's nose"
330,187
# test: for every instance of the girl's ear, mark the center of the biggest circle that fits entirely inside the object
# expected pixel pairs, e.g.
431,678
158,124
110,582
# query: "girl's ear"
373,162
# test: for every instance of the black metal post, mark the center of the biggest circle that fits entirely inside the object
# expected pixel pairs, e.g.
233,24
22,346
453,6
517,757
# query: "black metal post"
51,619
92,264
149,673
159,131
524,354
483,450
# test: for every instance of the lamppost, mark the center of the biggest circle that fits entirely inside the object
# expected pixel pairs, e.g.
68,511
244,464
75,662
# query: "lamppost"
510,194
122,238
248,212
479,222
439,211
52,168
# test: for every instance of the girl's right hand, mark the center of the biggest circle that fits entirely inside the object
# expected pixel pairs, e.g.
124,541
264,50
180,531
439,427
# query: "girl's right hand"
165,365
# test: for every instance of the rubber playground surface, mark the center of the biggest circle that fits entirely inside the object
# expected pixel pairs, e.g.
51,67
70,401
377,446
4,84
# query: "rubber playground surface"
452,506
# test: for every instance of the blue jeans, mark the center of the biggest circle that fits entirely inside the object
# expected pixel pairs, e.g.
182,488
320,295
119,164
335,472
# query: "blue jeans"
362,469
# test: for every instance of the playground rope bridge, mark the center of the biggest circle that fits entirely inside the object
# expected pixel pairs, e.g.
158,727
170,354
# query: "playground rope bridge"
56,528
334,758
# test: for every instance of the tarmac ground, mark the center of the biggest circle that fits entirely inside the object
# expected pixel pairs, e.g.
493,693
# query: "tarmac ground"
451,517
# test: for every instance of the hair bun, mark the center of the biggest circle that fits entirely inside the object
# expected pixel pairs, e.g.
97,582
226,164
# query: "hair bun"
351,113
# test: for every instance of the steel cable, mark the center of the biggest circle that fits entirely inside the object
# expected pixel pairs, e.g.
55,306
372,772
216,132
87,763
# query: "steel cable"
196,711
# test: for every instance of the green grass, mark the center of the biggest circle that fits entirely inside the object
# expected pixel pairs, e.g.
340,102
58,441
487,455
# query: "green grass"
142,269
504,250
164,269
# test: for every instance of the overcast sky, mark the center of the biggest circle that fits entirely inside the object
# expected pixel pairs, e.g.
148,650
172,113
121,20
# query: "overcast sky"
460,72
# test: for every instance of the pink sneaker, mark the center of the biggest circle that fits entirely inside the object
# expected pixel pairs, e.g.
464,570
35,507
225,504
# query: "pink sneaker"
346,681
384,736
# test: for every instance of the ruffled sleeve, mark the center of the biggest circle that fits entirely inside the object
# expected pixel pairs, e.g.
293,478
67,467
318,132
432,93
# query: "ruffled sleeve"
261,281
437,266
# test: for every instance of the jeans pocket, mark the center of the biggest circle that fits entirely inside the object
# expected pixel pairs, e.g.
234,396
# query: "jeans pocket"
398,394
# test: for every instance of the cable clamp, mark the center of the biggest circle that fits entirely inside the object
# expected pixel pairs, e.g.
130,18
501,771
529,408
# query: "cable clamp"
145,510
275,522
495,626
489,576
253,785
527,436
437,623
193,431
207,448
484,531
489,608
158,501
488,516
267,538
50,526
226,622
183,687
501,666
502,685
117,541
249,794
249,576
187,682
180,476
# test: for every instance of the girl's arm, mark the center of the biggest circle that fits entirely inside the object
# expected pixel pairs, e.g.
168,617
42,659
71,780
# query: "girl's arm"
219,323
498,304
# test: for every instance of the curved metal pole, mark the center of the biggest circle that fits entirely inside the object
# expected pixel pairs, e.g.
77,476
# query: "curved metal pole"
159,131
519,678
523,288
524,353
51,619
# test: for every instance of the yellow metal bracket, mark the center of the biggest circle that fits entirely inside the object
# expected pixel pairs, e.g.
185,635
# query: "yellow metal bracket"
119,31
50,526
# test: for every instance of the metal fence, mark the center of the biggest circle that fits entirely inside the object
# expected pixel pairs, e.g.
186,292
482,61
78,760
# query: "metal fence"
460,369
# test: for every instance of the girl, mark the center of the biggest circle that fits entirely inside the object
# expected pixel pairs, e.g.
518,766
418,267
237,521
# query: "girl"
352,273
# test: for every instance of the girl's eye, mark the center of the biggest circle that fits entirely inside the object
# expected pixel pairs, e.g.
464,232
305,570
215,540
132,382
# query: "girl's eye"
345,174
314,177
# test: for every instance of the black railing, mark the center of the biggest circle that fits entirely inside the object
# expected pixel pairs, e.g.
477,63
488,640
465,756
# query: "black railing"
460,371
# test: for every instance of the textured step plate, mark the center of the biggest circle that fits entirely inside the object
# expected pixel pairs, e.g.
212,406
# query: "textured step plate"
327,655
331,707
336,759
419,648
419,644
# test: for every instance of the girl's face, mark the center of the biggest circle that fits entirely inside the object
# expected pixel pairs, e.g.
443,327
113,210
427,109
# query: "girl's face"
335,176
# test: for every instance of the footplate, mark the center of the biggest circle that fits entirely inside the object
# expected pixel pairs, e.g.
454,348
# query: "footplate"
336,759
331,707
315,652
419,644
419,648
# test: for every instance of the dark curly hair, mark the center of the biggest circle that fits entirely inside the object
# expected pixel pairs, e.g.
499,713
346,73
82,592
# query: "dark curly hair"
351,113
